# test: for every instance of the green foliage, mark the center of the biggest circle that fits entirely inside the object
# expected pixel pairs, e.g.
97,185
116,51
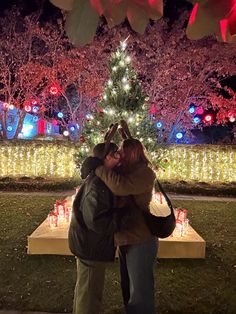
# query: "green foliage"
137,17
208,17
66,5
122,99
138,13
82,20
81,23
123,90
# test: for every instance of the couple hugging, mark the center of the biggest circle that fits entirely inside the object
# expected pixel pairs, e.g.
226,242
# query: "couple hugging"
107,213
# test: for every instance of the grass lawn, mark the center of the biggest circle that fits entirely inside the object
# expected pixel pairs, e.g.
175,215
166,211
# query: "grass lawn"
46,283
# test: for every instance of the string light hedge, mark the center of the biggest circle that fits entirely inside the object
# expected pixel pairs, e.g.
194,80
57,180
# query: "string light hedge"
204,163
37,158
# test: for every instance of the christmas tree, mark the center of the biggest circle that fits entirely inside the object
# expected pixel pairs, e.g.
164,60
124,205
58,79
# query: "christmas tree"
122,99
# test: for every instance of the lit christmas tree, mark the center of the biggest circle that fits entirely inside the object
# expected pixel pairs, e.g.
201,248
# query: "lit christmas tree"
122,99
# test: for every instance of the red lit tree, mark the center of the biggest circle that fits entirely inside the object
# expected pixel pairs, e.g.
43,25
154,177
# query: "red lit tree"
175,72
35,57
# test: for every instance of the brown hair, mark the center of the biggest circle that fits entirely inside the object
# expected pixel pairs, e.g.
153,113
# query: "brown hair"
101,150
133,154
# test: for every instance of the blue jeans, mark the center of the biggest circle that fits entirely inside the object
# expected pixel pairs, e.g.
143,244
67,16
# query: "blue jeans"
137,280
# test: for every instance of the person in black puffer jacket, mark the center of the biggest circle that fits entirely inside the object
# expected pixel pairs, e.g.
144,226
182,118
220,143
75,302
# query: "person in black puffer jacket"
91,231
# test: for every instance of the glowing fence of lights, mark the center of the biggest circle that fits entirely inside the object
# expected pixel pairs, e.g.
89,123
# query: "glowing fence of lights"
36,159
205,163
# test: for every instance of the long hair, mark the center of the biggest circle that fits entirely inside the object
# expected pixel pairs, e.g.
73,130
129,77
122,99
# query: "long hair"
101,151
133,154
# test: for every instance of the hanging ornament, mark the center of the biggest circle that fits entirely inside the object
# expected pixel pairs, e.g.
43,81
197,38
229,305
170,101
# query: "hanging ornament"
159,124
208,118
5,105
152,109
60,115
89,116
66,133
81,139
128,59
34,102
199,110
27,108
54,90
35,109
126,87
179,135
109,82
191,109
196,120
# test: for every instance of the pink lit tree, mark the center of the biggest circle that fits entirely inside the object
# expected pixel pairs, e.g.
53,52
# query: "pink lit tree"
32,60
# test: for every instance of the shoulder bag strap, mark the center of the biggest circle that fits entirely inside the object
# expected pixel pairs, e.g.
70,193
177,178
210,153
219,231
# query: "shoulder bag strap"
165,195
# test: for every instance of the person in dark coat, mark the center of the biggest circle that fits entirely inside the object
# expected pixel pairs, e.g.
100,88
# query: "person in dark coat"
91,231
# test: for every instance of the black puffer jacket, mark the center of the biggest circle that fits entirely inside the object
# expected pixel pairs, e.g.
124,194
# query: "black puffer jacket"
92,227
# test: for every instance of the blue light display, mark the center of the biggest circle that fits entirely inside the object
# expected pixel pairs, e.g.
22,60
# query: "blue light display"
191,109
179,135
60,115
196,120
159,124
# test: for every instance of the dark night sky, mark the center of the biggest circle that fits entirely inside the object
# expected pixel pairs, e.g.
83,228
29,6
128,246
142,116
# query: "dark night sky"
28,6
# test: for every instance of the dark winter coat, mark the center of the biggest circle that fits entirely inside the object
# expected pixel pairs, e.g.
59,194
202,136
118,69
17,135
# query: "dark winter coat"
91,232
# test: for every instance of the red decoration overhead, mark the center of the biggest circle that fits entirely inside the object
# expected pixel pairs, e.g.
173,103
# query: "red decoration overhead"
211,17
208,118
152,110
199,110
28,108
34,102
55,90
54,122
193,14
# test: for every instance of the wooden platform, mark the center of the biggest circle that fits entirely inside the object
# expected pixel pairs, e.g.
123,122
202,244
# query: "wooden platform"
45,240
54,241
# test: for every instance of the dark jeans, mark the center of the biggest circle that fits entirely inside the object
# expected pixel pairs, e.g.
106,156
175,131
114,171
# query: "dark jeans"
137,281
